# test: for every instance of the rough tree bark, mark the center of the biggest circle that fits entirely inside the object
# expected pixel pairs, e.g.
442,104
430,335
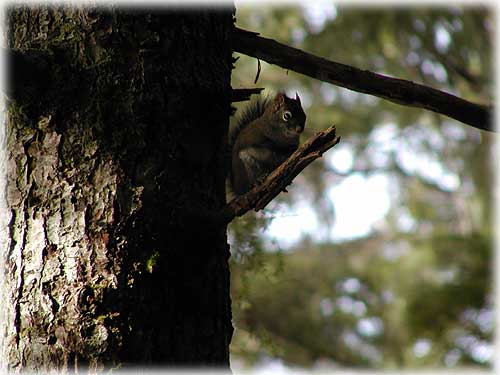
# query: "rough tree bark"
116,130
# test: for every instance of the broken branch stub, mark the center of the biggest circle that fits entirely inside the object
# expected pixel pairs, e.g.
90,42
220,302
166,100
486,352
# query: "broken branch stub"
260,196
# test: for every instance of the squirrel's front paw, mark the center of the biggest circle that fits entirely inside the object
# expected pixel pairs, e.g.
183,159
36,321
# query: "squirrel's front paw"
259,180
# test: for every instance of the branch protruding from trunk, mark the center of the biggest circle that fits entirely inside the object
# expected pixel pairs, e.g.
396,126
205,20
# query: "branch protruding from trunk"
281,177
399,91
241,95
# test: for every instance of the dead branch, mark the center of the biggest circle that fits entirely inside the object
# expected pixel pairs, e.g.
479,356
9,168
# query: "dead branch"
399,91
281,177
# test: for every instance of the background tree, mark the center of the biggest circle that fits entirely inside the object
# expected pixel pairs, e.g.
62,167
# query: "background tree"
115,146
415,289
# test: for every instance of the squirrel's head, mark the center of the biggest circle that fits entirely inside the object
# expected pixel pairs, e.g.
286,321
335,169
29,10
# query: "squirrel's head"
288,115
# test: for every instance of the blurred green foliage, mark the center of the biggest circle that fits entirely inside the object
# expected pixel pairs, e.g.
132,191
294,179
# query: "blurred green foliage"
417,291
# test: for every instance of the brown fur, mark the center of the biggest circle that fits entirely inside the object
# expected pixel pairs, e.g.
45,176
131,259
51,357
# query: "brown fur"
266,142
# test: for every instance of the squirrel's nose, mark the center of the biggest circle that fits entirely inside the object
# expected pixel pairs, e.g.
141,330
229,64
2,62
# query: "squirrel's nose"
299,129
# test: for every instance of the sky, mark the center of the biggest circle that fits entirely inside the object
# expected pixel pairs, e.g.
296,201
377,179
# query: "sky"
355,194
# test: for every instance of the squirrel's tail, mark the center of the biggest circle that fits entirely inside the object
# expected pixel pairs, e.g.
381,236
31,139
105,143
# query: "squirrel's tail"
251,112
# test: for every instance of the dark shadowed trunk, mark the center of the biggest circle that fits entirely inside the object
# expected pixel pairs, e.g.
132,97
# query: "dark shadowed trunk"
116,131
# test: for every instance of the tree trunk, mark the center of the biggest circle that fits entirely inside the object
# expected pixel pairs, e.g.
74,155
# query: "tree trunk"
116,131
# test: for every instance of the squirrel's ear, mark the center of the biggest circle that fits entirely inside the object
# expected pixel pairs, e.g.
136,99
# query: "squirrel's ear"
297,97
279,100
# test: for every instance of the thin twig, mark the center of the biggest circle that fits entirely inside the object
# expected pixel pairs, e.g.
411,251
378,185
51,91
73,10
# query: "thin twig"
258,72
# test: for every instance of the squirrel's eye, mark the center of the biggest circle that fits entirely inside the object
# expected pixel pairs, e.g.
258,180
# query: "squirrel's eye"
287,115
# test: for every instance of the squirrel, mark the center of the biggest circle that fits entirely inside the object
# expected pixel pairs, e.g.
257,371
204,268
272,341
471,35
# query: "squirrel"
264,136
